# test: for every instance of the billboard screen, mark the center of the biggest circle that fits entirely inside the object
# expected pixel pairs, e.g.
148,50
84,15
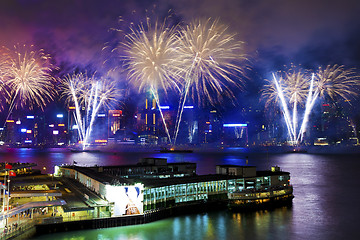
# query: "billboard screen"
128,200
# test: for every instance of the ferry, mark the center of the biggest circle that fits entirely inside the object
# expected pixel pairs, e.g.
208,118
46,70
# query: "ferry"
260,199
257,189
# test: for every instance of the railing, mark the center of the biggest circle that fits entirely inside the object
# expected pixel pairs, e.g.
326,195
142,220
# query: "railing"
19,229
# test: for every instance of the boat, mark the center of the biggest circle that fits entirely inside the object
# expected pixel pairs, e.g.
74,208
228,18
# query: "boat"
297,150
261,199
172,150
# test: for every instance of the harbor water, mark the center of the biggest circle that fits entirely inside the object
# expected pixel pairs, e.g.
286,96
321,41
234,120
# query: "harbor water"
326,203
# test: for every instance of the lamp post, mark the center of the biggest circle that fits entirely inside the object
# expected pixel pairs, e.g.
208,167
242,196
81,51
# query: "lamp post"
4,193
8,200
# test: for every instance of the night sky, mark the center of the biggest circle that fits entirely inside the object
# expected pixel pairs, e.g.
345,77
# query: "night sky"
276,32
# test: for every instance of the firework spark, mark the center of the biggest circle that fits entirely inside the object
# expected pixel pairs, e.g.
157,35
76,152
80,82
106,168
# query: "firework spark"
333,83
289,90
336,82
294,83
296,87
90,94
210,56
4,69
153,61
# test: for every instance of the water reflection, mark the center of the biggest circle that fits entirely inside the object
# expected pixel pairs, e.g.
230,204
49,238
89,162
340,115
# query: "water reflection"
212,226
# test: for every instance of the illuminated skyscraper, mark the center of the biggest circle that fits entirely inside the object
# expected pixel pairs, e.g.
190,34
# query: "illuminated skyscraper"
146,125
73,134
114,122
235,134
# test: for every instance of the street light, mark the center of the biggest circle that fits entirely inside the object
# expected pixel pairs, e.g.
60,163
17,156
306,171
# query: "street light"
8,200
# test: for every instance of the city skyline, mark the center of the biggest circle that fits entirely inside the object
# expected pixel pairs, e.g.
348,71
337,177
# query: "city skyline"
79,37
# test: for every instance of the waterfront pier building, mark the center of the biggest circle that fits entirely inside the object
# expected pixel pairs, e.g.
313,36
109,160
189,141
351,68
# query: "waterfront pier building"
153,184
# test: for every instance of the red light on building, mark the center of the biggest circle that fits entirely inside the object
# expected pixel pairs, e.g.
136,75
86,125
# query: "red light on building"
326,105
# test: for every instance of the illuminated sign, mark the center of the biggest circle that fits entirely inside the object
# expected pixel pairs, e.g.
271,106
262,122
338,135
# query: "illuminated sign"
61,125
55,132
164,107
28,141
101,115
30,117
189,107
127,199
101,141
23,130
29,131
51,125
115,113
72,108
75,127
59,115
18,122
10,121
235,125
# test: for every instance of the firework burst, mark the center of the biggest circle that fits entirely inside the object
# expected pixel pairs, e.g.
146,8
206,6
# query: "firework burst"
210,55
151,57
152,60
210,58
4,69
29,77
294,83
288,90
90,94
336,82
297,88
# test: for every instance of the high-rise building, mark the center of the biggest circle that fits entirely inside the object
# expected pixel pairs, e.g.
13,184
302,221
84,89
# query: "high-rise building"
235,134
114,122
99,131
73,128
146,125
188,129
210,127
